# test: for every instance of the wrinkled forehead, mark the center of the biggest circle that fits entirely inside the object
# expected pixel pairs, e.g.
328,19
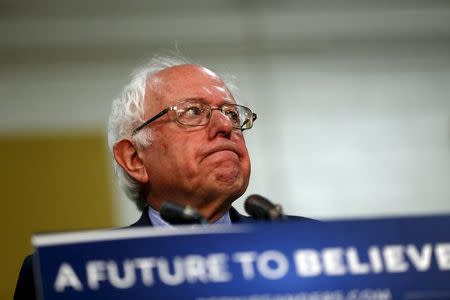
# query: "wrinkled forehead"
182,82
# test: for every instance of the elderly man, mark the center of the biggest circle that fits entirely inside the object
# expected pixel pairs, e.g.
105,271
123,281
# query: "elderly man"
176,135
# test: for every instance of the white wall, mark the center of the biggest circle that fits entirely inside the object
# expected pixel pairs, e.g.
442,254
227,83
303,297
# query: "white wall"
339,137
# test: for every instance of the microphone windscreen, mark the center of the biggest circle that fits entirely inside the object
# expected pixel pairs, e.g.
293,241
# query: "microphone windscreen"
261,208
171,212
178,214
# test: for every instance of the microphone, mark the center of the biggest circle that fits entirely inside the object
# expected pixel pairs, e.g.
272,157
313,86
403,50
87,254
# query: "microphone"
177,214
261,208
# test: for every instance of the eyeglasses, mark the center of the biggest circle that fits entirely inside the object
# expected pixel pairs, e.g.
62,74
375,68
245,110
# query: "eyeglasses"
197,113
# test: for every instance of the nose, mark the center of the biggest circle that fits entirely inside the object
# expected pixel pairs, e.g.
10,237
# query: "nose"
219,124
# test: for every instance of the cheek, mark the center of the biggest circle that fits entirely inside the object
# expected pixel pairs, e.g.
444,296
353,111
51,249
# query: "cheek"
246,165
181,154
245,159
169,146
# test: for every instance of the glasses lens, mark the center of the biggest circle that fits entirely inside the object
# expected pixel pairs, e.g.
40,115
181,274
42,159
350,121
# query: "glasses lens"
241,117
193,113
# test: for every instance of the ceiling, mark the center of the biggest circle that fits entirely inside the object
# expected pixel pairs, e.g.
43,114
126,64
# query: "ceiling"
43,31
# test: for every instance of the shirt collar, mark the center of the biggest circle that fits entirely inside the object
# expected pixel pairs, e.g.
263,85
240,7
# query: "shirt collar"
156,219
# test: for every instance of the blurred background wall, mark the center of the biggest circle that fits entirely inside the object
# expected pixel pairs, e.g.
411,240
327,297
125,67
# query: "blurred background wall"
353,103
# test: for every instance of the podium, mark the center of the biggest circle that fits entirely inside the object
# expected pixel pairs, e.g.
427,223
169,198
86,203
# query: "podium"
389,258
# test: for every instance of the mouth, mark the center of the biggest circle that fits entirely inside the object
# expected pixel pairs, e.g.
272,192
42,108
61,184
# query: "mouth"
229,151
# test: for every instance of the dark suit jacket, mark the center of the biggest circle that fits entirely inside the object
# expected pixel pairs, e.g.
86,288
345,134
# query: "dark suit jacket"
25,284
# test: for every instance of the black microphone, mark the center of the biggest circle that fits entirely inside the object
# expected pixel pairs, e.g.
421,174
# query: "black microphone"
261,208
177,214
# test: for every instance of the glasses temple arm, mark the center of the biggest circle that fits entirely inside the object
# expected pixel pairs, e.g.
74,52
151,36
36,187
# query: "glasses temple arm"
163,112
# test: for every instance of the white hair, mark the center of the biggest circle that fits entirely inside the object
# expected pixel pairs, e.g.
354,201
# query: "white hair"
127,112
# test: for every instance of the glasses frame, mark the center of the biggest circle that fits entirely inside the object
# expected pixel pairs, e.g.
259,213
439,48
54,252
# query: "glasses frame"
174,108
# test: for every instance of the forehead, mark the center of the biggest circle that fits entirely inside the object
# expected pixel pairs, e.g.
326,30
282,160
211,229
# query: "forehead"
184,82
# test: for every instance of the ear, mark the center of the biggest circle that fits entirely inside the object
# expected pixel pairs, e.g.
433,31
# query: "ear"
127,157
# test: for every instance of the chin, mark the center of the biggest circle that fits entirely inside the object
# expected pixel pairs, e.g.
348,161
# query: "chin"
234,187
230,179
228,176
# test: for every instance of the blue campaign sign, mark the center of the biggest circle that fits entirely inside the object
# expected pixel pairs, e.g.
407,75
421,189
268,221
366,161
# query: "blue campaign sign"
394,258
